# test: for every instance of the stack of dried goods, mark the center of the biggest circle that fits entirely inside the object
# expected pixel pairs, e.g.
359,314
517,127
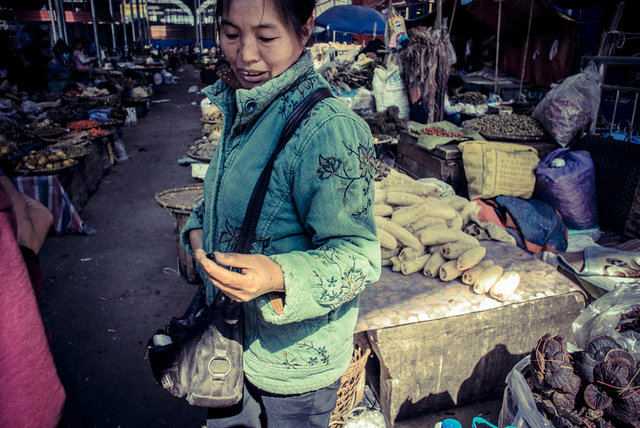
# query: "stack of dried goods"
347,77
515,125
629,321
44,160
596,387
98,133
83,124
213,115
440,132
421,231
74,151
472,97
387,122
203,149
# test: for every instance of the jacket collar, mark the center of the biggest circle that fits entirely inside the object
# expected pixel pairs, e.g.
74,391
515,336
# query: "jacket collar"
251,103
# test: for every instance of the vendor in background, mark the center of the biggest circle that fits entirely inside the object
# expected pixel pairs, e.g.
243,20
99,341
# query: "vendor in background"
452,112
83,63
316,243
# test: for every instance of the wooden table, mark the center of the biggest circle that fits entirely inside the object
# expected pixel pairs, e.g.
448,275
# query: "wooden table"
438,345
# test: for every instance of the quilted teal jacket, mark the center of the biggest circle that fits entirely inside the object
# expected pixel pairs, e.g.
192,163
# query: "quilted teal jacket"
316,224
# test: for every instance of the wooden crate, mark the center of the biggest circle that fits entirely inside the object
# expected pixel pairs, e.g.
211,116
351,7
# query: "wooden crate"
443,163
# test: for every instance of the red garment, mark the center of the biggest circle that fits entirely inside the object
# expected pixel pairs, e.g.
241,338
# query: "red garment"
31,394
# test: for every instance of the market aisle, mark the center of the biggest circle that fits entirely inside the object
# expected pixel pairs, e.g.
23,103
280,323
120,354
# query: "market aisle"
108,292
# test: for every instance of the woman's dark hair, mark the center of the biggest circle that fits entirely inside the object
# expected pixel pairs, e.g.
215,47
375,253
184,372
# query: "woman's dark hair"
294,13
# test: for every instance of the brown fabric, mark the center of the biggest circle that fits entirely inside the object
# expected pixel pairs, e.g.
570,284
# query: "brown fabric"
548,24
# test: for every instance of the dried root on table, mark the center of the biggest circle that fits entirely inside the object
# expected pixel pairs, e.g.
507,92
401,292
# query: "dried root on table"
422,231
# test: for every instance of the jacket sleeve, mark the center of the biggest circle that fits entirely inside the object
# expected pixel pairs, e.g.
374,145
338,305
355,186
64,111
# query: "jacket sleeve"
332,189
194,221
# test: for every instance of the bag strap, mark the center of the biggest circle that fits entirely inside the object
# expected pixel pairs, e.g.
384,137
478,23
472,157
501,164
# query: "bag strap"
248,231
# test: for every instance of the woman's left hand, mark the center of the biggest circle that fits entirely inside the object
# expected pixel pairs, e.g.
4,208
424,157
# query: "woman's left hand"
260,275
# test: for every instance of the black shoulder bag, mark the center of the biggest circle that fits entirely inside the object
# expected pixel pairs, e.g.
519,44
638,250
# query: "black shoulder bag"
198,356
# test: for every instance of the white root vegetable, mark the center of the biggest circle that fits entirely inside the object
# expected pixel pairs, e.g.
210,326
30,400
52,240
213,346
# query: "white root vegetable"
395,264
403,198
398,232
448,271
427,221
453,250
416,188
470,212
411,266
436,236
439,209
496,232
386,239
408,254
380,196
409,214
470,258
469,276
382,210
485,281
386,253
432,267
455,223
386,262
465,238
455,201
505,286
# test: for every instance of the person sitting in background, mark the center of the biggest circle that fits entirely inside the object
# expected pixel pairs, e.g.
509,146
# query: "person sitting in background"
30,390
452,111
81,61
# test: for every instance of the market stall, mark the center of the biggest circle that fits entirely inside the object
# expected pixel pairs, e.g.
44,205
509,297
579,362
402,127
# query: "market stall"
439,345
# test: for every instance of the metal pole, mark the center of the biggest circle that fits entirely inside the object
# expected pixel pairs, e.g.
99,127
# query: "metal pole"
53,23
147,21
195,19
613,117
62,28
140,36
526,50
495,82
64,22
133,28
113,26
95,34
123,20
199,26
633,117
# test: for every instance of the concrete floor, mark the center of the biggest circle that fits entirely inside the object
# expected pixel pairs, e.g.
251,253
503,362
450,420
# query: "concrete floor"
109,292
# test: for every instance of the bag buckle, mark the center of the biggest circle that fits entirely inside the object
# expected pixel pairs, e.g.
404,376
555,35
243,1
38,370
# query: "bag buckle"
218,375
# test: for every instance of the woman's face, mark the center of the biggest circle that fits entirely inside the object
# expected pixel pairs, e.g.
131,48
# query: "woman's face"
257,44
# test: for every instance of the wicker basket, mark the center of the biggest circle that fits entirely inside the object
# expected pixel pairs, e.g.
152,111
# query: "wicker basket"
179,202
352,383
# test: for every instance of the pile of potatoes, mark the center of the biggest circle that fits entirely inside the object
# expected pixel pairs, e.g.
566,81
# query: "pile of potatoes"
44,160
420,230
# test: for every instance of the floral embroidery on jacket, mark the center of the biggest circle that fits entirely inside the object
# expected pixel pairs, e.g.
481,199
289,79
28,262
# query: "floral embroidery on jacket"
319,355
339,290
229,237
330,167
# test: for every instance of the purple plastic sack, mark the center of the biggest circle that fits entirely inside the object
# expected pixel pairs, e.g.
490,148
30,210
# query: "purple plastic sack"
566,180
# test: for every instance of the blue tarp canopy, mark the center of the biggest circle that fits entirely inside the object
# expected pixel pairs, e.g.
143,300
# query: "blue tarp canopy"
352,19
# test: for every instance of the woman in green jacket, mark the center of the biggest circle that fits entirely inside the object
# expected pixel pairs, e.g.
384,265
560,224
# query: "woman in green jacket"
316,240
